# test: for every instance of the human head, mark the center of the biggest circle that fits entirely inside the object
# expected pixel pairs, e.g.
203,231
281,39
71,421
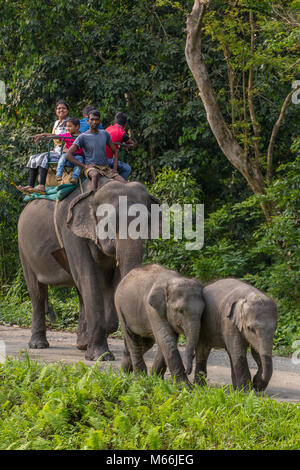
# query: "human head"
87,110
62,110
72,125
94,119
121,118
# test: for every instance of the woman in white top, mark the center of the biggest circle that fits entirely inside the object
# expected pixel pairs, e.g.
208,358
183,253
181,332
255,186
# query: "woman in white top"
41,160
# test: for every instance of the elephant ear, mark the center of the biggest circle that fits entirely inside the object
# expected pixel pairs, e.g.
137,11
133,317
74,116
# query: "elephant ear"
157,298
81,218
235,311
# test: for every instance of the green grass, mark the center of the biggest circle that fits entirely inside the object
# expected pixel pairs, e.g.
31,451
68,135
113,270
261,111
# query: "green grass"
16,309
58,406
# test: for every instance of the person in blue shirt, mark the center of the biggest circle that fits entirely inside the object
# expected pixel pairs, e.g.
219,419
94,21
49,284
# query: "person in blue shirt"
84,125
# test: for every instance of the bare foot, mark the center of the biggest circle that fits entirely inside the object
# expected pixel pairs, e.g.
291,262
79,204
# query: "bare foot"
40,187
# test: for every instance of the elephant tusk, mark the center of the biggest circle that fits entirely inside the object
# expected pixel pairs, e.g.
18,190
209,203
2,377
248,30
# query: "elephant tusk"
117,264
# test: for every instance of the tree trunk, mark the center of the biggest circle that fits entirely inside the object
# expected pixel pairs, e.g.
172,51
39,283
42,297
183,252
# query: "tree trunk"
248,167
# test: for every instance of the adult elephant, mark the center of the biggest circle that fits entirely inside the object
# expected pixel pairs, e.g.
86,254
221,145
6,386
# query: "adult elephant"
93,266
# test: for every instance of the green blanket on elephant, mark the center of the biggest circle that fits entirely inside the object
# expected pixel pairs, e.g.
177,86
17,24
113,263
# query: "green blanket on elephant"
54,192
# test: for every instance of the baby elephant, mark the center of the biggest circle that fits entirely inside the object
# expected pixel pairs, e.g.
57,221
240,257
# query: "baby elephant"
155,304
238,315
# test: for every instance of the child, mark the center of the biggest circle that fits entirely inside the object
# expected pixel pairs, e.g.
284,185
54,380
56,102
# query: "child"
72,126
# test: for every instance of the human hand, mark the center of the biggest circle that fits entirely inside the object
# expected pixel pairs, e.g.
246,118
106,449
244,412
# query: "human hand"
38,137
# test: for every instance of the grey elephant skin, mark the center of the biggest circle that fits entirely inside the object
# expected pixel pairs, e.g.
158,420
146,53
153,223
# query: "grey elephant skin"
95,266
238,315
155,304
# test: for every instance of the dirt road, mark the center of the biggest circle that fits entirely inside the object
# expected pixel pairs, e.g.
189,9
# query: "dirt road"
284,385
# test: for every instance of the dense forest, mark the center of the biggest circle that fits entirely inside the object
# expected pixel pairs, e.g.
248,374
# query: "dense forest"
129,55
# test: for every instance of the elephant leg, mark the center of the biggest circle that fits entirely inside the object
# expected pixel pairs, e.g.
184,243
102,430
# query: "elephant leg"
111,317
136,348
236,347
233,378
93,306
159,365
126,362
166,339
147,344
202,354
39,298
38,294
134,344
82,339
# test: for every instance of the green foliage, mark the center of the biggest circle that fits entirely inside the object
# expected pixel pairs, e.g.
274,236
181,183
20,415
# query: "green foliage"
16,308
54,406
239,243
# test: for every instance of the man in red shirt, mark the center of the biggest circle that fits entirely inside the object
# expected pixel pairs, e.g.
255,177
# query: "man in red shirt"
118,134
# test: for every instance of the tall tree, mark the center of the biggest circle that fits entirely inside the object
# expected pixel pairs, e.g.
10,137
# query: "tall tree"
244,31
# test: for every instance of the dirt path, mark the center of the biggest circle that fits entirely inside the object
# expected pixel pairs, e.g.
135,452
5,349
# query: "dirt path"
284,385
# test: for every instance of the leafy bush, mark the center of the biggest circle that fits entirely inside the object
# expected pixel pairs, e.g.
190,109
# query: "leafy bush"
239,243
54,406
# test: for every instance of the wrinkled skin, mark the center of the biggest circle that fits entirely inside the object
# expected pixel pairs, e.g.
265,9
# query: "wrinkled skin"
155,304
238,315
95,265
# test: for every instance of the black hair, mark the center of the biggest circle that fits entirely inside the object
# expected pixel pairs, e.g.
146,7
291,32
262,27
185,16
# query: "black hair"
73,120
62,102
121,118
94,112
86,111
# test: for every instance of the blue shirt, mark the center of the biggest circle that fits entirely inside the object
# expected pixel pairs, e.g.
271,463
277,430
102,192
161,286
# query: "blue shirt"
84,125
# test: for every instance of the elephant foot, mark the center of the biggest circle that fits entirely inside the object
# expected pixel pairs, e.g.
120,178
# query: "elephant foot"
94,353
82,344
38,342
200,379
126,364
82,339
183,381
258,384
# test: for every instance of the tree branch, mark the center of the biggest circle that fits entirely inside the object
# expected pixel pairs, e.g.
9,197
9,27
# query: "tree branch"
250,93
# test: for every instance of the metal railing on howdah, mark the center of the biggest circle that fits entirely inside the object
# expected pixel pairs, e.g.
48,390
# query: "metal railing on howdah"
49,138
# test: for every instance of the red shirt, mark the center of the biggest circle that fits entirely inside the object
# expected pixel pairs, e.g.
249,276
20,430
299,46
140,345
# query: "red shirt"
117,134
69,142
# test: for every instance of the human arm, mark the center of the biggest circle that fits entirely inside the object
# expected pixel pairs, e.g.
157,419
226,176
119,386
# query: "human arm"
129,143
116,155
44,135
70,156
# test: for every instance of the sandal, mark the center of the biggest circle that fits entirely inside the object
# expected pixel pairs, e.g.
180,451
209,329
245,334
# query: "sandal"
39,191
27,191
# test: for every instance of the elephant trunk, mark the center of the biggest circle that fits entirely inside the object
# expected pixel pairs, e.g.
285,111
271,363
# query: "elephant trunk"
261,380
192,336
129,254
265,366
